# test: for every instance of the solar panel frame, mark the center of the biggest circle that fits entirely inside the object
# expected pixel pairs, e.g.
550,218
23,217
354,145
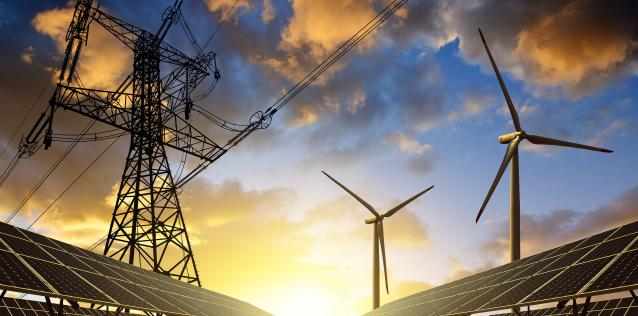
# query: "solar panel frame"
570,280
19,274
613,307
26,247
67,283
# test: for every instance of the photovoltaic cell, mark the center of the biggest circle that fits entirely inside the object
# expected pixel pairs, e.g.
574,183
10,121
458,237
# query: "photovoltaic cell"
39,239
595,239
14,275
20,307
568,259
610,247
615,307
485,297
631,228
68,260
67,283
623,272
521,290
9,230
570,281
117,292
25,247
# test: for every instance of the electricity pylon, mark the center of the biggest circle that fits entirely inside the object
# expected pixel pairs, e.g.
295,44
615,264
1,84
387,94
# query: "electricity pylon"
147,228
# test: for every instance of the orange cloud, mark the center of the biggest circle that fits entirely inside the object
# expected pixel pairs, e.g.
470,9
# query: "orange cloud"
570,46
103,63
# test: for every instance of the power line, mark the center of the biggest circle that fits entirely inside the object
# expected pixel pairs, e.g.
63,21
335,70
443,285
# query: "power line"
219,24
73,182
6,146
46,176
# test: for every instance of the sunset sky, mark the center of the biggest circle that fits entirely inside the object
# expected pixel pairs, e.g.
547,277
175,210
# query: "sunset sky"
416,104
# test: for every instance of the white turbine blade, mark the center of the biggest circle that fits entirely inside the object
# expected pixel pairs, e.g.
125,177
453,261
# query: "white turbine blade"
511,149
368,206
506,94
408,201
382,243
540,140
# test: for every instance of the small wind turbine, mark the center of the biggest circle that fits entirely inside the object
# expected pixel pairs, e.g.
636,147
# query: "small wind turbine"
513,140
378,238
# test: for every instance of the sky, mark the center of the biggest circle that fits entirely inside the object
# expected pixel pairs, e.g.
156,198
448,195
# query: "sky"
415,104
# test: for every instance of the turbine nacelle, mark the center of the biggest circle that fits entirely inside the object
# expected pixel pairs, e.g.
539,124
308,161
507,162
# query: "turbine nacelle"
373,220
507,138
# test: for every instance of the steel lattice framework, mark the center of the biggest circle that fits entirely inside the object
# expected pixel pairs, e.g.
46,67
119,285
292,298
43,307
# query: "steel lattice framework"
147,227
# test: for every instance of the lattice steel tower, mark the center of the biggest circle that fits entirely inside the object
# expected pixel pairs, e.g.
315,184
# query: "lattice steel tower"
147,228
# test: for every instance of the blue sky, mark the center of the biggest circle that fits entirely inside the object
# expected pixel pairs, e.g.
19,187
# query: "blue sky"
416,105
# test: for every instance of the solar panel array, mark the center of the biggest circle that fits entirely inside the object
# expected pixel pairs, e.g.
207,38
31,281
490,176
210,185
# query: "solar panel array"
617,307
34,264
603,263
19,307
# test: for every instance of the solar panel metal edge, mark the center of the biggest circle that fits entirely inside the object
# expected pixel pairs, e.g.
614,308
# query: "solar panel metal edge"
625,304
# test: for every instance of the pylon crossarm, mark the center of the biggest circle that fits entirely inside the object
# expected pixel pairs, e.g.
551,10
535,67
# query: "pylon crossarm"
96,104
129,34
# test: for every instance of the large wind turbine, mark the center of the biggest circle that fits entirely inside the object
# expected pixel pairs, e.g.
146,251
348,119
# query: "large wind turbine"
513,140
378,238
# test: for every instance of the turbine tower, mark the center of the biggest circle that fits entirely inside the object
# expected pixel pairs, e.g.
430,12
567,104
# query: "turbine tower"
378,238
513,140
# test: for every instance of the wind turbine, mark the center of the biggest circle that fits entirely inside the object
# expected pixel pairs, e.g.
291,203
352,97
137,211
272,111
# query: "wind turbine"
513,140
378,238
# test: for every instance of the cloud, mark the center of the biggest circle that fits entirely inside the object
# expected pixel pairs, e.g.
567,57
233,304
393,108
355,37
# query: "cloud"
228,8
558,227
420,157
584,45
268,14
578,46
102,64
27,55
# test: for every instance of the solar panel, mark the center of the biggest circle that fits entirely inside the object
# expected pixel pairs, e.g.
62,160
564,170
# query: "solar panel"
622,273
13,307
15,276
569,282
25,247
615,307
603,263
34,264
67,283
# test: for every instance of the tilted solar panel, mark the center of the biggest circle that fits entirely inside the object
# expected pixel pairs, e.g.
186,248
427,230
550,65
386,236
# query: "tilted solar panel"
603,263
615,307
34,264
13,307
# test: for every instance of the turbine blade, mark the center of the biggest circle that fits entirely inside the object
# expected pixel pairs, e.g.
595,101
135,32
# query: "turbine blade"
382,243
506,94
540,140
511,149
368,206
408,201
